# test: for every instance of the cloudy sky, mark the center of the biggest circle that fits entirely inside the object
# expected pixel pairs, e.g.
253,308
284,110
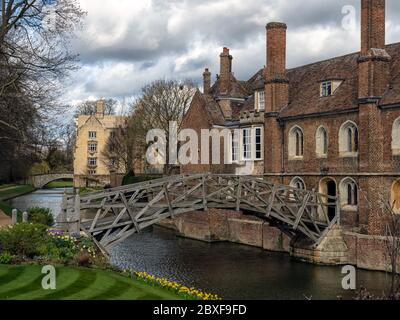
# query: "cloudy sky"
125,44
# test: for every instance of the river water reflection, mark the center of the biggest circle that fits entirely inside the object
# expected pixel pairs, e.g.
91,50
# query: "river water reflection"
45,198
235,271
230,270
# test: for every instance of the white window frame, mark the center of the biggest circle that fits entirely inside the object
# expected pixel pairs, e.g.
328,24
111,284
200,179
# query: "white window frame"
251,143
325,85
247,144
235,146
261,144
260,101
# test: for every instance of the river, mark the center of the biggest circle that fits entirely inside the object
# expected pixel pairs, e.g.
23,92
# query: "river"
230,270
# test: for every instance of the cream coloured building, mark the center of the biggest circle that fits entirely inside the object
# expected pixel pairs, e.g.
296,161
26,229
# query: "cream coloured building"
91,167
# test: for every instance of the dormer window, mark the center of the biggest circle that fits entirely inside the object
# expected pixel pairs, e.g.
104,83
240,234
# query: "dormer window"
260,101
329,87
326,89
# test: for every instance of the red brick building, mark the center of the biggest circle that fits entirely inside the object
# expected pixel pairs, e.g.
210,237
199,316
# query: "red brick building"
332,126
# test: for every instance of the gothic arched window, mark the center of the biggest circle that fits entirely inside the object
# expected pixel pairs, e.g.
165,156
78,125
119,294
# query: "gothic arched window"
321,142
348,139
296,143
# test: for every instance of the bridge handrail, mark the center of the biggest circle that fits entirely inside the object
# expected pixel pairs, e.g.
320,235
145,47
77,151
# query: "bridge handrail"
140,185
297,208
183,177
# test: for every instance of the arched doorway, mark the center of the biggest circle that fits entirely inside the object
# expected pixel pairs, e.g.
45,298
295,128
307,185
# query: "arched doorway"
328,186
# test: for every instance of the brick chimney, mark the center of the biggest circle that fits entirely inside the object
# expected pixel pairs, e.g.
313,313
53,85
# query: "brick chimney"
372,25
373,81
276,94
207,81
374,61
226,70
277,84
100,109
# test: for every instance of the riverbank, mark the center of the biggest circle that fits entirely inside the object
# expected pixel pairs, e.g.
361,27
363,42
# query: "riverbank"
72,283
8,192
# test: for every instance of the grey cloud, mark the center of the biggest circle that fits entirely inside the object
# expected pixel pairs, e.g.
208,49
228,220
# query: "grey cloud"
153,42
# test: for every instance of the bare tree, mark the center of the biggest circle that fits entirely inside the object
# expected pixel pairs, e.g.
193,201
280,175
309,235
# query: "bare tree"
390,220
89,107
392,232
163,102
34,58
126,147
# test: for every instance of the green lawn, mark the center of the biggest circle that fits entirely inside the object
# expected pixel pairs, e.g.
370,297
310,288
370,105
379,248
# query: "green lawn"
24,283
61,184
9,192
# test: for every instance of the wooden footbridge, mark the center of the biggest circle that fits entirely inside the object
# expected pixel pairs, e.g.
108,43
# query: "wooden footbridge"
111,216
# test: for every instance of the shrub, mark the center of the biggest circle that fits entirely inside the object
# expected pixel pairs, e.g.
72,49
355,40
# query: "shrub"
24,239
6,258
41,216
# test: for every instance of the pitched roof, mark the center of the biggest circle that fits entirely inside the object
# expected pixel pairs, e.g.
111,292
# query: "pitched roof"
304,88
237,89
304,93
392,96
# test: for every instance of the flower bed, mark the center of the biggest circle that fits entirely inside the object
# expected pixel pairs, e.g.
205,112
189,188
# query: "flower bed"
29,242
173,286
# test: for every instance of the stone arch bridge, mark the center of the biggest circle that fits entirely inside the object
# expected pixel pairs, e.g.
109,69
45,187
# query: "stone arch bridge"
111,216
39,181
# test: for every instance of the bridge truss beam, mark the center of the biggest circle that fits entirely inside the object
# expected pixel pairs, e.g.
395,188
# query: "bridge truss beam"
113,215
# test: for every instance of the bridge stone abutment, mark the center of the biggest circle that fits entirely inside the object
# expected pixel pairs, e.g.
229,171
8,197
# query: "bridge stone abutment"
215,225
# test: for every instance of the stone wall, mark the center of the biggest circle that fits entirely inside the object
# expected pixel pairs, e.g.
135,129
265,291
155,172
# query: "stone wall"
338,247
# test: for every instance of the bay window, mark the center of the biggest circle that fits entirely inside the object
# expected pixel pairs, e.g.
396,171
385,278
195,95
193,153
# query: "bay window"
252,145
247,142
